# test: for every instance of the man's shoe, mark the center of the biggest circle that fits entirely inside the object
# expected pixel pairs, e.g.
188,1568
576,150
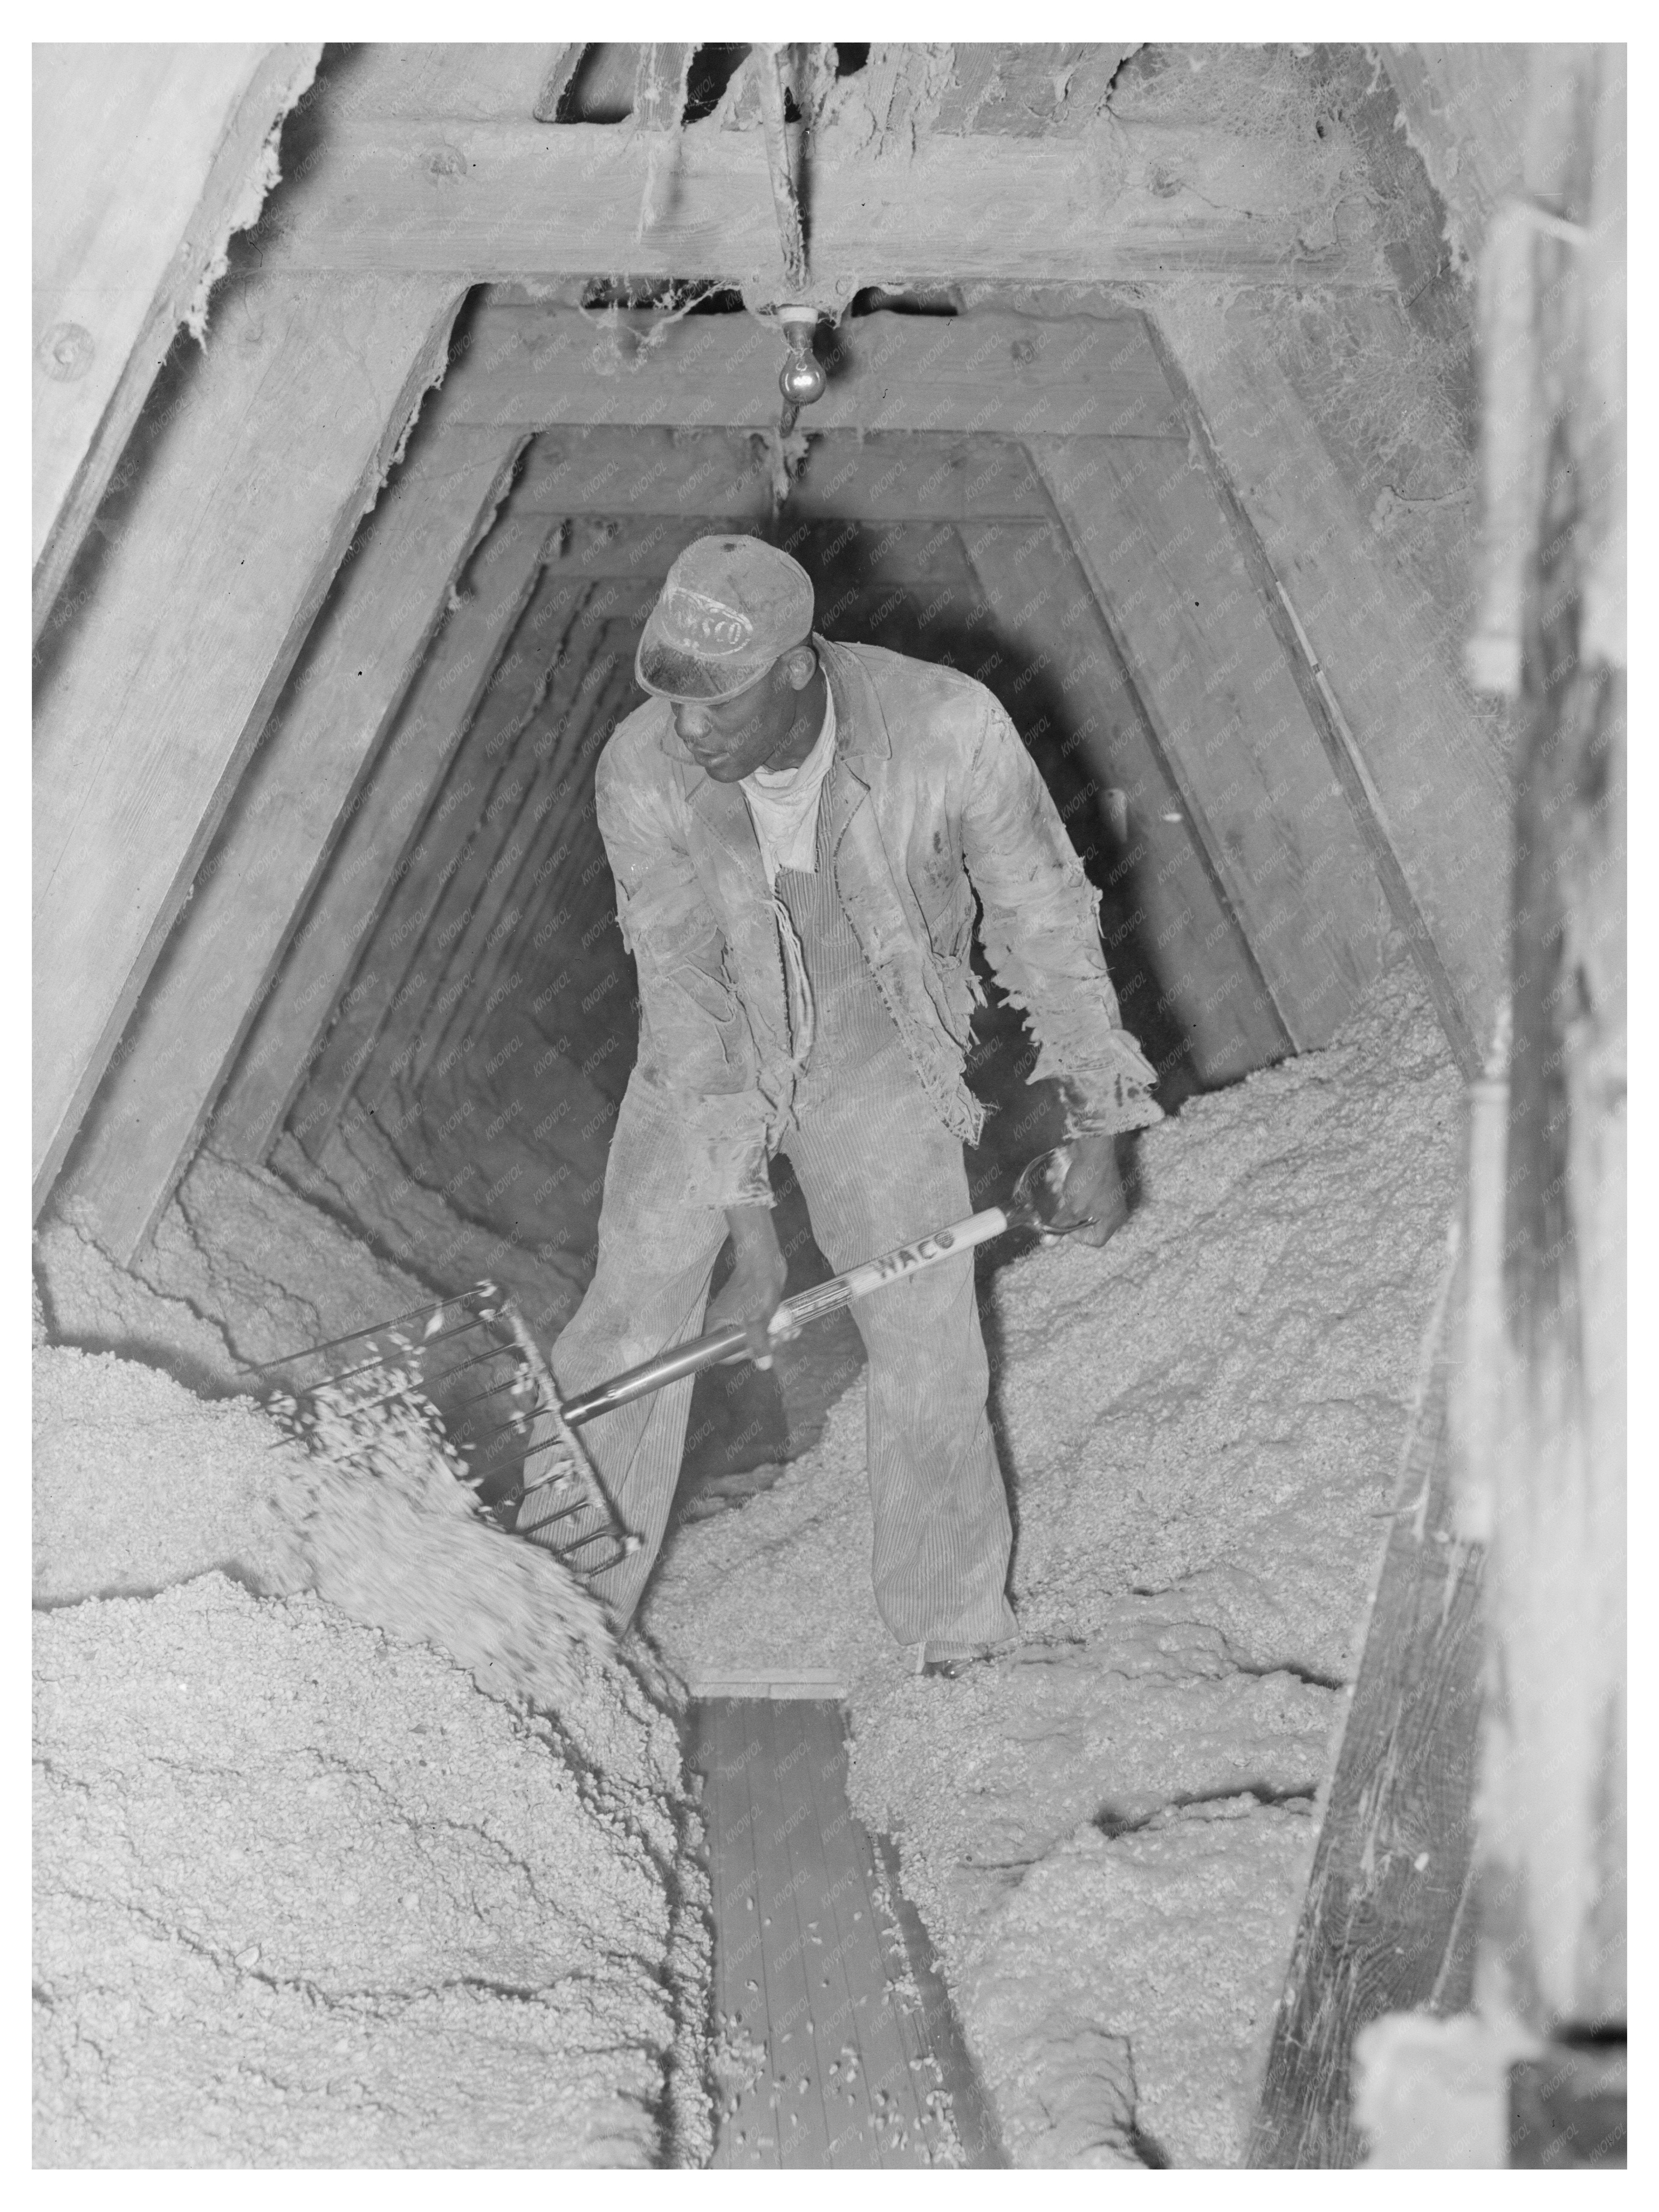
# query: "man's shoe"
958,1663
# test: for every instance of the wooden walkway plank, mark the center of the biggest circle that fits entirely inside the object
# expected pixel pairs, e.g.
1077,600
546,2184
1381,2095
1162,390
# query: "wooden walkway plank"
227,943
780,1794
379,858
144,158
153,701
1154,537
805,1962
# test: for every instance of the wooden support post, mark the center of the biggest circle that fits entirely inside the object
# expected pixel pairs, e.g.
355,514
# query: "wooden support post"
1156,543
289,808
280,437
1423,776
1553,1836
1189,936
146,158
1388,1919
379,842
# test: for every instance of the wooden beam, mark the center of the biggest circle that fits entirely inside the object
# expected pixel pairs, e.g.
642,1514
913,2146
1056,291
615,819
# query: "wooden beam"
1386,1924
1187,934
983,373
1423,773
1141,201
379,841
279,439
289,808
146,158
1156,543
726,474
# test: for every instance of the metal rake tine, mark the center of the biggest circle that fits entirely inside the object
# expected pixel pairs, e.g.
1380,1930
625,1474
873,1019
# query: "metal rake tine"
392,1358
286,1359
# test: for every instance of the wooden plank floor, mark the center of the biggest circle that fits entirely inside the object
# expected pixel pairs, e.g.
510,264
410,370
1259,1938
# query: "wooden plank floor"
833,2056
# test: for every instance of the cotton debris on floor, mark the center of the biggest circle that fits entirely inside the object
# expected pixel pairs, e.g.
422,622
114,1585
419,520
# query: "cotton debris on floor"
1201,1424
306,1899
304,1895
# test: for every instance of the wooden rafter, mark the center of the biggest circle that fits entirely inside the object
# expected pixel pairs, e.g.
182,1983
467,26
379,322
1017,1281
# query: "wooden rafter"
279,438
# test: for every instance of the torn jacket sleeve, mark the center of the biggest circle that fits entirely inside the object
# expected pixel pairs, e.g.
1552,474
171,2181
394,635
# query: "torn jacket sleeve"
1042,934
695,1042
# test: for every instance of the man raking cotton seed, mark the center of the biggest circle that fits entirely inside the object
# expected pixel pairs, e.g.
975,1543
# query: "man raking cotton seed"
797,830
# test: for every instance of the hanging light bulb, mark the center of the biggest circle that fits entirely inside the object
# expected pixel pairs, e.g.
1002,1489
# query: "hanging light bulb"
801,380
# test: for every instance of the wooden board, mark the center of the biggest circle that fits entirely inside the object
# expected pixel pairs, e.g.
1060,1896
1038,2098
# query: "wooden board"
516,198
1187,934
144,158
726,476
1385,1925
1423,775
499,948
434,908
986,373
595,663
226,947
1155,538
380,840
273,444
808,1963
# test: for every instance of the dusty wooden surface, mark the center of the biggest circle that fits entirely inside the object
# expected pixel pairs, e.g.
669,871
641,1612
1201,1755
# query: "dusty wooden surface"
219,962
811,1971
913,476
1424,772
448,191
987,373
375,848
1385,1925
1153,533
143,156
1190,936
269,450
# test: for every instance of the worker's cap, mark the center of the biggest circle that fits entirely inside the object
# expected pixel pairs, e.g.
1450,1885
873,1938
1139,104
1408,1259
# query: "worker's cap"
728,608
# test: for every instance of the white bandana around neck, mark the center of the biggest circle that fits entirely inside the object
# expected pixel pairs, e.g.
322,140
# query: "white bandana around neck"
784,805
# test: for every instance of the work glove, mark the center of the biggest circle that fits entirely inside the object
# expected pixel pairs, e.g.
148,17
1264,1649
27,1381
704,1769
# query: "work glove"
1094,1185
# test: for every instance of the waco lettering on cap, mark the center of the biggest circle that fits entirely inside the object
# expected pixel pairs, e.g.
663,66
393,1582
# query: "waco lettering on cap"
728,607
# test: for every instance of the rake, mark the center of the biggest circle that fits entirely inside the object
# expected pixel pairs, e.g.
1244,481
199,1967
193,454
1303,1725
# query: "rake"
471,1369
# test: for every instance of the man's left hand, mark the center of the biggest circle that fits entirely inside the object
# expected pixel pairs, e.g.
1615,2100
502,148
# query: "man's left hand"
1094,1187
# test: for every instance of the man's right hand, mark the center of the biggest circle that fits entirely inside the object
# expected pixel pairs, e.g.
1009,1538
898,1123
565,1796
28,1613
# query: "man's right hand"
756,1287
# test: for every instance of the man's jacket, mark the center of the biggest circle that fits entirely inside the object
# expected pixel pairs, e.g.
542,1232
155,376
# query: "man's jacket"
932,786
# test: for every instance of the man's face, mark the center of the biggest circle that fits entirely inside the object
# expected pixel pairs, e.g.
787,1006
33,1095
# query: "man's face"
730,738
